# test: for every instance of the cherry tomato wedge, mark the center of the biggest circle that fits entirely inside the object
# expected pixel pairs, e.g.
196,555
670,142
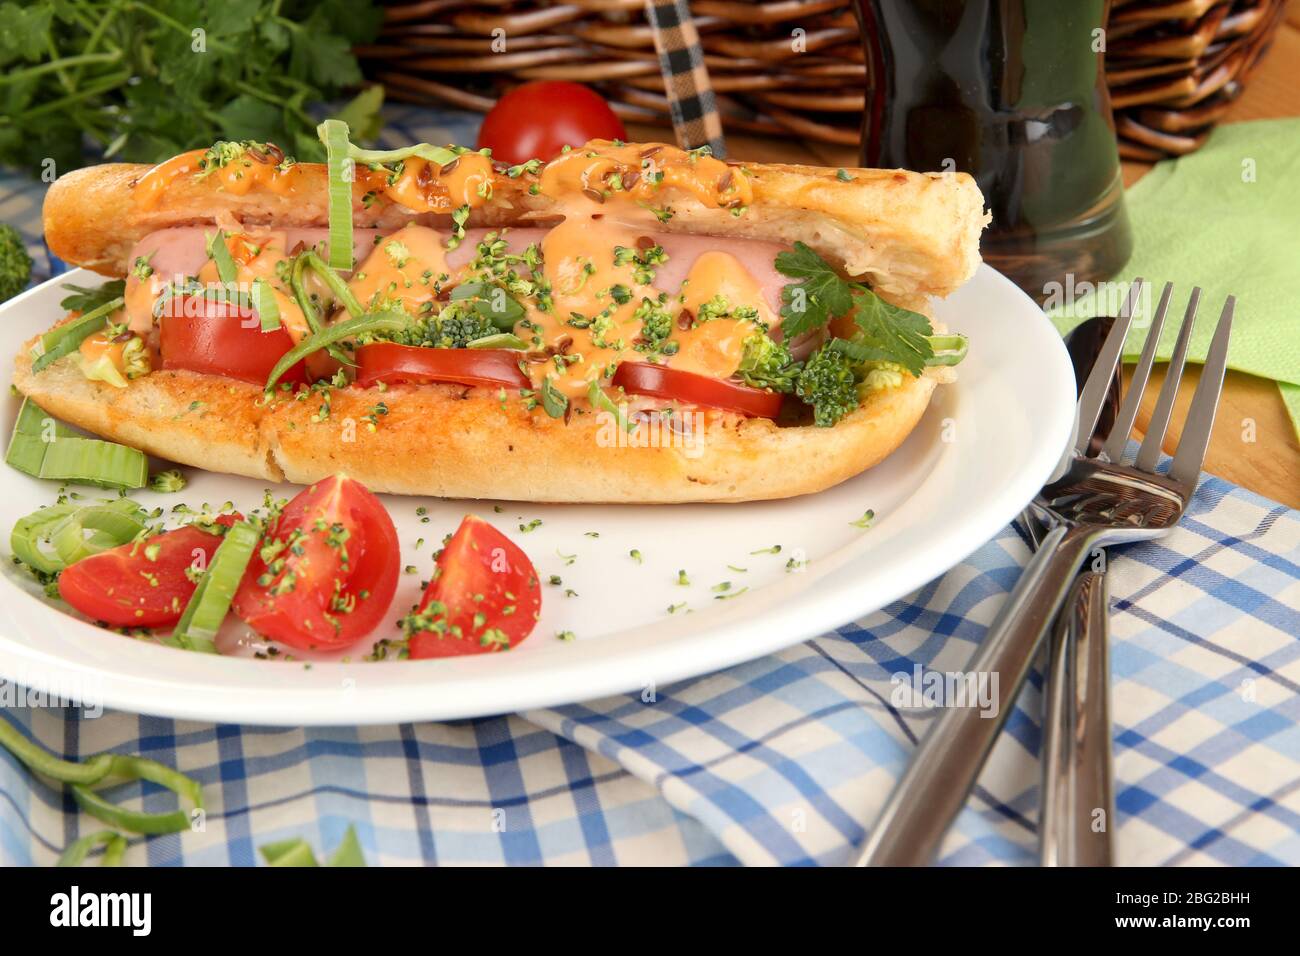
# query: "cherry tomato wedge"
126,587
642,378
484,596
537,120
223,338
390,363
326,571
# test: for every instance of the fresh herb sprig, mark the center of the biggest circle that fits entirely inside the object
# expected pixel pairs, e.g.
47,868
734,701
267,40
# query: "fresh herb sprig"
885,332
147,79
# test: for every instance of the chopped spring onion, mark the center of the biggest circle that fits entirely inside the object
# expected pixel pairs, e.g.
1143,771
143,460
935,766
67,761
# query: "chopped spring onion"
108,769
297,852
502,340
56,451
334,134
114,846
108,528
90,461
335,283
372,322
40,761
596,395
948,349
555,402
305,303
265,305
123,769
210,602
67,338
34,429
35,538
219,253
441,155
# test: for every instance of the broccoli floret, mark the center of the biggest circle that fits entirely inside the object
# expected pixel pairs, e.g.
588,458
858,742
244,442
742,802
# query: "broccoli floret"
459,328
452,328
15,263
656,324
828,383
767,364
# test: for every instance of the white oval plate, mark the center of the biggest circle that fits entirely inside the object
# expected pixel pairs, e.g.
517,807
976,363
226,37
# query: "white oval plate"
982,450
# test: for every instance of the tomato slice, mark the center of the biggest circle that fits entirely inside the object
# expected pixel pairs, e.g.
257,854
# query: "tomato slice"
223,338
484,596
333,566
642,378
391,363
125,587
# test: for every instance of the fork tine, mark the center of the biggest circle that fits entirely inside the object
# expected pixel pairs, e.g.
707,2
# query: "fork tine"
1098,384
1128,409
1154,439
1200,417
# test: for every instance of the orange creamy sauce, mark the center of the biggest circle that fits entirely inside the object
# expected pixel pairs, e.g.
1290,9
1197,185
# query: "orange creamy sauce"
608,194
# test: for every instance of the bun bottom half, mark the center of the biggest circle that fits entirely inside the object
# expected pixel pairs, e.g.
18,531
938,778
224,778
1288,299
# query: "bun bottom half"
451,441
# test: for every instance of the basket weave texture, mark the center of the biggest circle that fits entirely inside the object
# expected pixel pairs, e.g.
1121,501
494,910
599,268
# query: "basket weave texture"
796,67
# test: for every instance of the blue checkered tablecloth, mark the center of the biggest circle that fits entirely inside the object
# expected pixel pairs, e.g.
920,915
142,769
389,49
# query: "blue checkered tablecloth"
781,760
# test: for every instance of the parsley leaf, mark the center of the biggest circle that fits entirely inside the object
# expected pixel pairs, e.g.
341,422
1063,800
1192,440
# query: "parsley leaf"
885,332
822,294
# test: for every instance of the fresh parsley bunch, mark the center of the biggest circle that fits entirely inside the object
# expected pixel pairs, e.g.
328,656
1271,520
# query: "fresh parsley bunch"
147,79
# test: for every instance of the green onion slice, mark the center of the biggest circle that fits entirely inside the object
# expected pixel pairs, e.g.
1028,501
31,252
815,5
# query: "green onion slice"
40,761
219,253
123,769
555,402
268,310
91,461
596,395
442,155
210,602
114,846
948,349
109,528
108,770
348,328
334,134
43,538
297,852
335,283
502,340
31,436
66,338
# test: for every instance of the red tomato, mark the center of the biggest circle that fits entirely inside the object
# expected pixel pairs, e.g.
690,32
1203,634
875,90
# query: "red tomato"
536,120
484,595
125,588
333,569
642,378
386,362
223,338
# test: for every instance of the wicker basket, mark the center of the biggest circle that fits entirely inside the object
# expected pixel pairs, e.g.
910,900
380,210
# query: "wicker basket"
785,67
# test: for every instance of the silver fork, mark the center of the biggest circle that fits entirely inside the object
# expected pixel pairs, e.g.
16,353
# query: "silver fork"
1097,502
1076,751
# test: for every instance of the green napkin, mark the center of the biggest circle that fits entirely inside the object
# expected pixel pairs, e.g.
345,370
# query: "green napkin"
1226,218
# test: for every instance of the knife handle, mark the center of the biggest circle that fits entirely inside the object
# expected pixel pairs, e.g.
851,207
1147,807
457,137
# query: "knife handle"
1078,799
946,764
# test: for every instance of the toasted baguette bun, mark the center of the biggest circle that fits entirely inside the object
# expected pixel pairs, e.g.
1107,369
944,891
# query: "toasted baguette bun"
456,442
909,234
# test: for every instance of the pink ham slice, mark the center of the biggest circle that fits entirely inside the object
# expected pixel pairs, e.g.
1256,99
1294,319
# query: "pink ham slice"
183,251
